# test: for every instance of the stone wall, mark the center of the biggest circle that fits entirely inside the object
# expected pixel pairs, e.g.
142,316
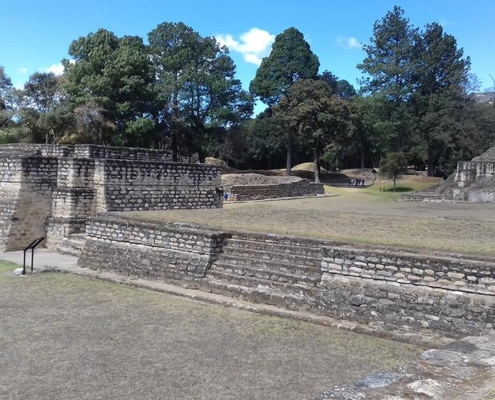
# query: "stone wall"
474,181
123,185
261,192
369,284
154,251
26,185
87,151
56,188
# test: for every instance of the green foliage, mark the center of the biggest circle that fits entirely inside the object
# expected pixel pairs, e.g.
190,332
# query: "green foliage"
291,59
197,86
419,80
114,76
316,116
266,140
6,99
394,166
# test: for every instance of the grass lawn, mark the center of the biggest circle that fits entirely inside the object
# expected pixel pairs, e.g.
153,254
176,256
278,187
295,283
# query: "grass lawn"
363,215
68,337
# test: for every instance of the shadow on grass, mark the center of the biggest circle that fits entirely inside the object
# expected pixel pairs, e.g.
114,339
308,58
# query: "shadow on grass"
398,189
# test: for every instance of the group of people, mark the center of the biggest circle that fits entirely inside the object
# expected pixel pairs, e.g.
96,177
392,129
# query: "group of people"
356,182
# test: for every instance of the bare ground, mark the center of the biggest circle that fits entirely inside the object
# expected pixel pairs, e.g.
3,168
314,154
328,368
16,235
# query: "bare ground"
67,337
356,215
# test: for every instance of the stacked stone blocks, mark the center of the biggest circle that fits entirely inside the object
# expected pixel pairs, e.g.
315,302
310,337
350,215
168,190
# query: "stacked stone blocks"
56,188
454,295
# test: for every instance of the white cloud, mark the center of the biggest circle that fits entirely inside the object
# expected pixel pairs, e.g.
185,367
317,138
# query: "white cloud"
57,69
349,42
23,70
253,44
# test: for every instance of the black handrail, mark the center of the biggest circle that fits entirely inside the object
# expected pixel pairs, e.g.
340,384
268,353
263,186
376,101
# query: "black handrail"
31,246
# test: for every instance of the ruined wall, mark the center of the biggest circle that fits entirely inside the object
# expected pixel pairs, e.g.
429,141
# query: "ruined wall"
261,192
123,185
474,181
26,186
56,188
423,291
155,251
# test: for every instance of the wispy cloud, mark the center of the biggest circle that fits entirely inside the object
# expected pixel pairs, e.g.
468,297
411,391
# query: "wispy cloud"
56,69
23,70
349,42
446,23
253,44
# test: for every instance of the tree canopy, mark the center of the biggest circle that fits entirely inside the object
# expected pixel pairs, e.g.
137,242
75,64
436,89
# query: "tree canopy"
291,59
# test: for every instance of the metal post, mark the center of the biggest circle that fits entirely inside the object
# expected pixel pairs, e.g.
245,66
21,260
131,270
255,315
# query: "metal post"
24,264
32,258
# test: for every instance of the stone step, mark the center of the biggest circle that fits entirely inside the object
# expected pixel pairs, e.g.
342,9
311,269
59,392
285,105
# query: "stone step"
271,266
302,277
73,244
283,258
264,295
221,274
275,246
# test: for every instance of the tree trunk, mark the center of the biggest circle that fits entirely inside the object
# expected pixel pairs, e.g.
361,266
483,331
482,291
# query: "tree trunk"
201,156
175,155
316,167
394,184
289,154
431,165
362,157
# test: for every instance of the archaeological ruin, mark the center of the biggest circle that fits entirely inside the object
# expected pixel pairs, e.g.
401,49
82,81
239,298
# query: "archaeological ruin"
474,181
56,188
78,195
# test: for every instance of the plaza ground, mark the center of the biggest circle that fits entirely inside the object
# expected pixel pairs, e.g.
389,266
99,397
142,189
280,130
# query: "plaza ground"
360,215
68,337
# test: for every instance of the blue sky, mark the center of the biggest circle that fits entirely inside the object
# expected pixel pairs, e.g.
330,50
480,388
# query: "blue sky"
35,35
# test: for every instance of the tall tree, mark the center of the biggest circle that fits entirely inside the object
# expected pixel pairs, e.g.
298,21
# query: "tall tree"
340,87
6,98
291,59
116,75
316,115
421,77
196,77
441,78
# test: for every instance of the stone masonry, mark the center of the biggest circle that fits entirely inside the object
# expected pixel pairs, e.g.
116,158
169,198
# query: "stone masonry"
56,188
452,295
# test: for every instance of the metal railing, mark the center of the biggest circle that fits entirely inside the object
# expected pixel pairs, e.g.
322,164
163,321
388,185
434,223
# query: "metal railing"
31,246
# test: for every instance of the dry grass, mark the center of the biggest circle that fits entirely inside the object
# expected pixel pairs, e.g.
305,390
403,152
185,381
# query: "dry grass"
67,337
357,215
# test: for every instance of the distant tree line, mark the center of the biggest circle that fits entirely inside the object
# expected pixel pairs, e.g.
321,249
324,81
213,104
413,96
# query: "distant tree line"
179,92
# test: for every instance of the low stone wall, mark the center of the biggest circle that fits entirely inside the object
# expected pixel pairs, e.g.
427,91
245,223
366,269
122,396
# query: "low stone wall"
87,151
426,198
262,192
371,284
148,250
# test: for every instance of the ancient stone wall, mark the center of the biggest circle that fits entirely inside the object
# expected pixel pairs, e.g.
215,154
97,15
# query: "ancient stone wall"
155,251
261,192
56,188
474,181
26,183
371,284
123,185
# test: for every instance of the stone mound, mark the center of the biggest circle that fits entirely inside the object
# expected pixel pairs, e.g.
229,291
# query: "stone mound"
307,166
488,155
